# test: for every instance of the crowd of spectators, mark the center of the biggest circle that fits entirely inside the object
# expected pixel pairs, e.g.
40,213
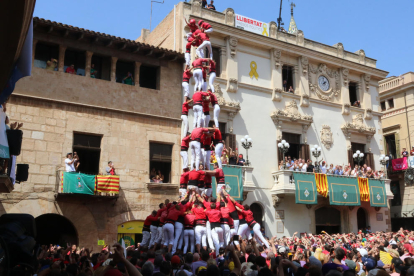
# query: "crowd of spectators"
300,165
364,254
208,6
156,176
229,157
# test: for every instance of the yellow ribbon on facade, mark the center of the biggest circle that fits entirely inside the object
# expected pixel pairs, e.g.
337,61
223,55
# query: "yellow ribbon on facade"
265,30
253,67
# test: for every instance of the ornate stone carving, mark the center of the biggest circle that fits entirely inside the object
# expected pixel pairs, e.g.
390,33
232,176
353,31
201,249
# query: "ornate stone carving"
300,38
233,46
305,132
367,79
332,75
368,114
196,7
272,29
326,136
232,85
357,126
340,50
277,54
304,100
276,200
229,17
305,64
361,56
345,73
277,95
230,106
291,113
346,109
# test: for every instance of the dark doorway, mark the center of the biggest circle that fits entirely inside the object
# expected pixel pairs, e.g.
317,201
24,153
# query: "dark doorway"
257,213
353,92
406,223
149,77
55,229
88,148
76,58
102,65
287,77
361,219
328,219
390,144
125,69
294,144
361,148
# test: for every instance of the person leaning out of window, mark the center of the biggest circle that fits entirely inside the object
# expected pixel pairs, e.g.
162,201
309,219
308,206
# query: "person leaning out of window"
110,170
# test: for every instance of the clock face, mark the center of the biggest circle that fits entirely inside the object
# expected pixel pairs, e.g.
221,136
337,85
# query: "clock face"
323,83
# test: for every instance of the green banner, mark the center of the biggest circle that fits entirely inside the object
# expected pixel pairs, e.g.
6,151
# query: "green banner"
343,191
234,181
306,192
78,183
377,193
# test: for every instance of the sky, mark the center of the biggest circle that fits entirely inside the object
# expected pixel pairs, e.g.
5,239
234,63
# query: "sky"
382,28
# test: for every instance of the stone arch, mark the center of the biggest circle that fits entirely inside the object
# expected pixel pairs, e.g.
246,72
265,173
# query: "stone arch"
112,224
258,212
362,218
55,229
328,218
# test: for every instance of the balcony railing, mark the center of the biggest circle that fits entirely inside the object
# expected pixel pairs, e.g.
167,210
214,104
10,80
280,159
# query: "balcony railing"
80,184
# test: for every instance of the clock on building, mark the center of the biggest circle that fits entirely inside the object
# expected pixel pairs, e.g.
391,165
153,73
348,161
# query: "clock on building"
323,83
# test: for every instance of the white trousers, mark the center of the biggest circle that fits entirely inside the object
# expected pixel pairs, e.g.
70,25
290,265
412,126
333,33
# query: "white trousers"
160,236
186,88
210,30
217,236
198,77
188,240
216,114
206,119
236,224
226,234
219,152
201,52
243,231
168,232
207,155
204,85
187,57
209,239
198,115
211,81
200,235
195,154
146,236
182,192
200,49
184,156
184,123
258,233
178,226
154,234
208,192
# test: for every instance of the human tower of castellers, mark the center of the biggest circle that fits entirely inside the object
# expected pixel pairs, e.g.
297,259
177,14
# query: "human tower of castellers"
197,219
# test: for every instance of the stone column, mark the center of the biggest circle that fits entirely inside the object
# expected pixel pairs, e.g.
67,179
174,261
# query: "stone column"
343,78
303,79
232,74
223,62
34,50
61,61
296,80
276,65
366,95
113,69
136,72
88,63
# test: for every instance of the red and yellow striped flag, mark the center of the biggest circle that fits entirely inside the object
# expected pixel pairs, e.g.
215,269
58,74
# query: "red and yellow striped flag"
321,184
363,188
107,184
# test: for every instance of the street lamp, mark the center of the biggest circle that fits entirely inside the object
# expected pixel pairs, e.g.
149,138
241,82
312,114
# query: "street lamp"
247,144
384,160
316,152
358,157
284,147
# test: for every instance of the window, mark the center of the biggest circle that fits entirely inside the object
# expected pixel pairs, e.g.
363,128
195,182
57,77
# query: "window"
216,58
102,65
353,93
287,77
395,189
45,52
160,162
88,148
361,148
76,58
390,103
125,72
149,77
391,148
383,108
294,144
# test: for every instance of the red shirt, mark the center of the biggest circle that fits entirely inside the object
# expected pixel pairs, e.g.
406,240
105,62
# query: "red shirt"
207,140
184,178
173,214
196,175
219,175
212,67
206,106
248,216
150,219
189,43
205,26
198,97
187,75
199,213
207,180
203,37
230,204
70,70
185,109
197,133
193,27
189,219
204,73
213,215
213,98
225,212
217,135
198,63
185,207
185,143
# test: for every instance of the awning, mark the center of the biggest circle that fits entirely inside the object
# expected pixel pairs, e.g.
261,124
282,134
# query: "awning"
343,191
306,192
377,193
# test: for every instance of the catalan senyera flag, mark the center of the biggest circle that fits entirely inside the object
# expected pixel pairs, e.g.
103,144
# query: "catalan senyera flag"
363,188
321,184
107,184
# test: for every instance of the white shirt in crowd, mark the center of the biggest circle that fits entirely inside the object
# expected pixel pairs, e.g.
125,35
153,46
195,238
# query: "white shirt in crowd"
304,167
323,169
69,167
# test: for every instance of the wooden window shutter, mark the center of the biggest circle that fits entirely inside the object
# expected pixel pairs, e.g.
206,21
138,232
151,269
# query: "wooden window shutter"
397,145
279,153
370,160
351,158
231,141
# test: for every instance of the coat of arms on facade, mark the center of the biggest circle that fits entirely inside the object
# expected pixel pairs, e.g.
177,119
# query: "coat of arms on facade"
378,197
306,192
326,136
345,195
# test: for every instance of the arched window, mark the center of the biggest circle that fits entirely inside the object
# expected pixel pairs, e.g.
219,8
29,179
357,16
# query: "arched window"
361,219
55,229
257,213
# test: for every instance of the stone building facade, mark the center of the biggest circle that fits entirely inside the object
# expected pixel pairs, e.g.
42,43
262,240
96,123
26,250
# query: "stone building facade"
252,67
57,107
397,105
